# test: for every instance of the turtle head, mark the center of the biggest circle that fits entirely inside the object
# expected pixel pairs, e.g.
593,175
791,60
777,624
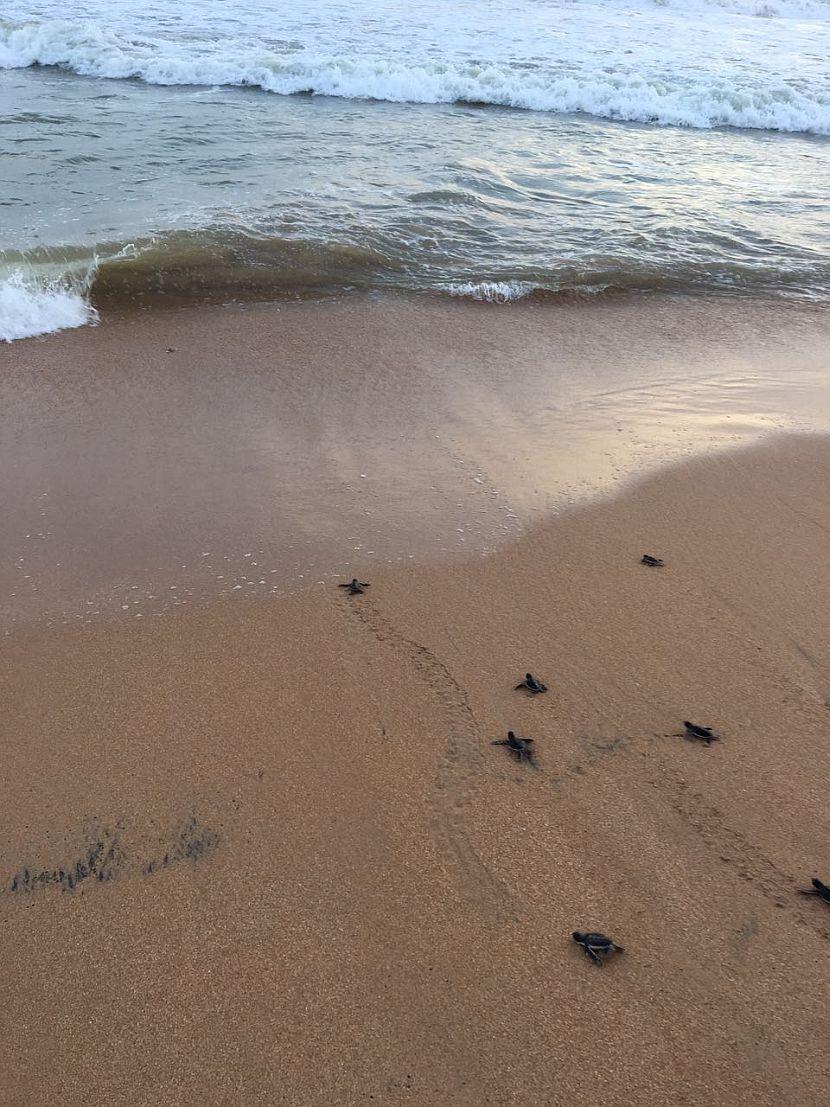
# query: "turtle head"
819,885
511,734
529,677
577,935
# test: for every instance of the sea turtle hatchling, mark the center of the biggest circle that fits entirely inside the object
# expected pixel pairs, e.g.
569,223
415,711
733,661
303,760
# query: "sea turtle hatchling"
654,562
699,733
532,685
355,587
819,889
596,945
519,747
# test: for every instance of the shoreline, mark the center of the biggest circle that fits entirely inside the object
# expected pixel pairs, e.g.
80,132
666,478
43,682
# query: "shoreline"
152,458
116,301
431,560
325,883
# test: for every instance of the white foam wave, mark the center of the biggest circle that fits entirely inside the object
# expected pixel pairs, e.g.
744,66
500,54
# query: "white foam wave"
763,9
29,307
492,292
629,89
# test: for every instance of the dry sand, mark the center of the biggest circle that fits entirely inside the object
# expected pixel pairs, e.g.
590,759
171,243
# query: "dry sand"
326,886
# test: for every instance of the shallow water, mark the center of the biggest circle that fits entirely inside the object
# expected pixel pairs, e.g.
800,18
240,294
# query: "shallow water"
154,187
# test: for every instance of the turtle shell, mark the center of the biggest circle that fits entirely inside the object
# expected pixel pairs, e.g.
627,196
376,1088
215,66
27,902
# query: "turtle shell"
596,941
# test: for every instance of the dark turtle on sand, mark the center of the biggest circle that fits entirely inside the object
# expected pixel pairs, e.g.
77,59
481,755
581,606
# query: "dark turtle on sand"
819,889
532,685
654,562
596,945
355,587
519,747
699,733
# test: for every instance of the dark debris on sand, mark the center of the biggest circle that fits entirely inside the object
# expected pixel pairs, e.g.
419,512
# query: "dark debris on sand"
101,861
191,841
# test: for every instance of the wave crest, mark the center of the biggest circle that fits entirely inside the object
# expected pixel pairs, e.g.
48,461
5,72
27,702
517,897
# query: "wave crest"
493,292
52,289
620,92
32,306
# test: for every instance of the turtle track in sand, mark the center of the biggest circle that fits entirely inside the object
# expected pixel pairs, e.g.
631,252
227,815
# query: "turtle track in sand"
457,768
734,849
731,847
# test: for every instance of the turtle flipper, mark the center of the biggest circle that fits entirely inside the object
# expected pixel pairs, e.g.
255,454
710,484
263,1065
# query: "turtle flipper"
819,889
594,956
500,742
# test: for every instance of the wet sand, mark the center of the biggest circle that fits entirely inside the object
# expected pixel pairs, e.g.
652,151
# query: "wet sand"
167,458
302,874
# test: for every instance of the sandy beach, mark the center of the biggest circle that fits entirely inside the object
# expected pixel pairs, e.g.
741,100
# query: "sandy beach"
478,304
265,852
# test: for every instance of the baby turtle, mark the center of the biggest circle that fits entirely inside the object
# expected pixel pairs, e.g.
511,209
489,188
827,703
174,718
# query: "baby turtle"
654,562
699,733
533,685
596,945
355,587
819,889
519,747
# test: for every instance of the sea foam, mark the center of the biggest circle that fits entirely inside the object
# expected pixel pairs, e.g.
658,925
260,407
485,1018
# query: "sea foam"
492,292
29,308
656,75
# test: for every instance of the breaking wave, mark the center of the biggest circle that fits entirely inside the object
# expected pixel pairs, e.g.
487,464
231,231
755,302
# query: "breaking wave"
617,88
33,306
493,292
51,290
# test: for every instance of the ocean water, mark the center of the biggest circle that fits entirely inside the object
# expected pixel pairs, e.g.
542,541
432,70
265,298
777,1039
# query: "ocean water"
152,152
